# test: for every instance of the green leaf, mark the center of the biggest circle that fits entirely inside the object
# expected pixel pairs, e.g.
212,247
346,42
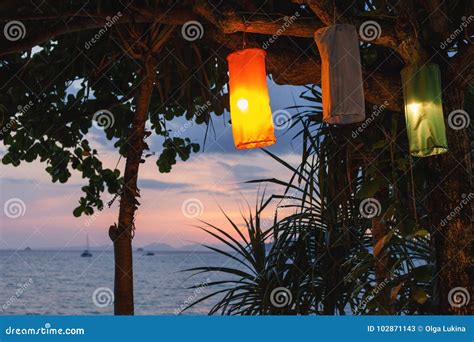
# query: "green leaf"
370,188
422,233
419,295
78,211
423,273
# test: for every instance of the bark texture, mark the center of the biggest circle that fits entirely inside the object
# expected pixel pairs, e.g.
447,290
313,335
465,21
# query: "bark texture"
123,233
449,184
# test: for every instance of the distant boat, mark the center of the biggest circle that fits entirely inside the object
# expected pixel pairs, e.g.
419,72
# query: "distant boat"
139,249
149,253
27,249
86,253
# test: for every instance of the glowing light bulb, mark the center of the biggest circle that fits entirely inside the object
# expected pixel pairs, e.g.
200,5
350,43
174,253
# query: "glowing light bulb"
414,108
243,104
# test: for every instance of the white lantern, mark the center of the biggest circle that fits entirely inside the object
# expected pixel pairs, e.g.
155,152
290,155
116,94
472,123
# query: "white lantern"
341,74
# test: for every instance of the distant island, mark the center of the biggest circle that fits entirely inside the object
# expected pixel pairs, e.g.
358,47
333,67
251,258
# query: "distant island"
152,247
163,247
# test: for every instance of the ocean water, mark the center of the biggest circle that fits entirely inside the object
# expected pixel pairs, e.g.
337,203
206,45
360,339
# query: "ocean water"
63,283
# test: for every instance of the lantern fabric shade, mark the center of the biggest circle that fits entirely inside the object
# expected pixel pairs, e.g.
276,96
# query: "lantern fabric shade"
424,110
341,74
250,112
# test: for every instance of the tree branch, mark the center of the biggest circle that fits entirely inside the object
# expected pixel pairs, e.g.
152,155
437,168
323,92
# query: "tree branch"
286,66
289,67
326,13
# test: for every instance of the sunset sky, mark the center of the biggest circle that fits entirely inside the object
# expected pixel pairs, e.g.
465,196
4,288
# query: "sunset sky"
211,178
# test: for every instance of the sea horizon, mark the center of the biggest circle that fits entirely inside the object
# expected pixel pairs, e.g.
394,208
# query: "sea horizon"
61,282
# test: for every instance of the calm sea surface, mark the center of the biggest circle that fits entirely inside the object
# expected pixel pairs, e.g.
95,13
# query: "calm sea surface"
63,283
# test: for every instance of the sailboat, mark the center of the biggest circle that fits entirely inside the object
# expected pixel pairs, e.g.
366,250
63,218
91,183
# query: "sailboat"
86,253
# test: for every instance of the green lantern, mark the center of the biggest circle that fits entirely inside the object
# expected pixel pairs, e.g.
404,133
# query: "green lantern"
424,110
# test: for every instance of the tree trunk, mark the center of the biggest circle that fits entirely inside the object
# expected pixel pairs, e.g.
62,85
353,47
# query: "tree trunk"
122,234
449,184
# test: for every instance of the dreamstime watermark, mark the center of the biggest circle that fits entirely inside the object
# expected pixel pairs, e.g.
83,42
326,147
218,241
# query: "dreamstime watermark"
455,212
192,30
14,30
370,30
199,110
199,288
374,292
14,208
281,297
23,109
102,297
8,126
19,291
46,330
103,119
288,21
192,208
458,119
282,119
110,21
370,208
377,110
13,120
464,23
459,297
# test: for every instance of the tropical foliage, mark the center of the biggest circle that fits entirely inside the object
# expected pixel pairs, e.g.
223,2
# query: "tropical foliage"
47,116
333,255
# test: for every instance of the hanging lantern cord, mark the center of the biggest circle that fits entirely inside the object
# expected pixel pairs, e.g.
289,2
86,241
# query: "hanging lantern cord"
244,40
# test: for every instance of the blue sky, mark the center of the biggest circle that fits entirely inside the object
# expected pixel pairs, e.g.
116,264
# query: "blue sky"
208,180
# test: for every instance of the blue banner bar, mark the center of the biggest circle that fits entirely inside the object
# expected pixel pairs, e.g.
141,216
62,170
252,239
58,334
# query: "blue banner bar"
238,329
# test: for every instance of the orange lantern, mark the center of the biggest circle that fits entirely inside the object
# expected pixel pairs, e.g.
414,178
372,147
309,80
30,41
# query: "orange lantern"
251,116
